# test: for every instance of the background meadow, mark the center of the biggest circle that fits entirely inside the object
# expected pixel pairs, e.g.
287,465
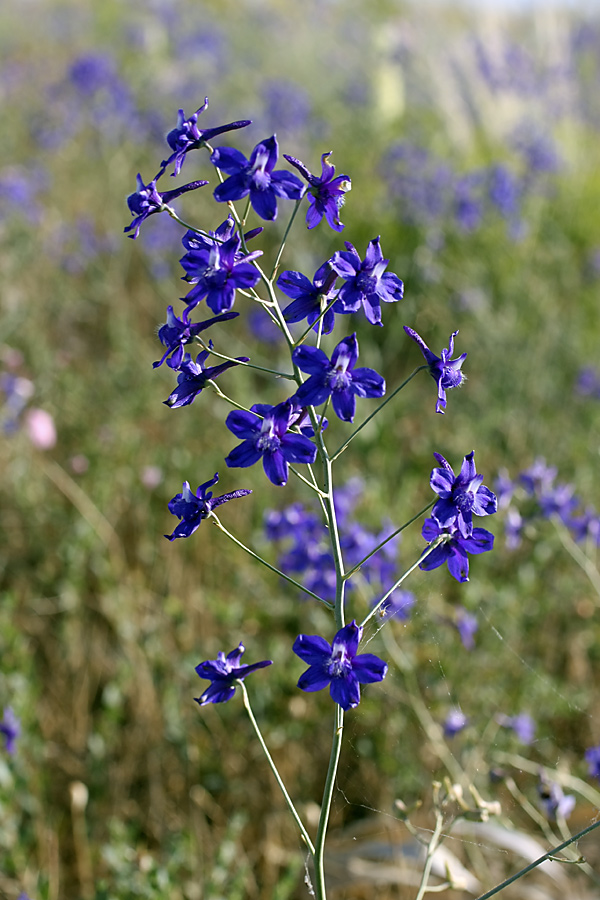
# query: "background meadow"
472,143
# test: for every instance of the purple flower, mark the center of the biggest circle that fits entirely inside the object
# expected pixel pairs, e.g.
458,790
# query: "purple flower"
592,758
193,377
337,665
522,725
467,626
454,549
147,200
325,194
553,800
445,371
256,177
187,136
539,477
460,495
176,333
217,274
193,508
559,501
365,282
454,722
310,300
10,727
337,379
223,672
265,434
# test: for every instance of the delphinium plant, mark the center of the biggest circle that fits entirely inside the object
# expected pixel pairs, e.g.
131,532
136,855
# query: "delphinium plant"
290,437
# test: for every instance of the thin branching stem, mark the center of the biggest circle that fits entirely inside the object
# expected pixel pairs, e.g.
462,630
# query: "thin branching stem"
278,777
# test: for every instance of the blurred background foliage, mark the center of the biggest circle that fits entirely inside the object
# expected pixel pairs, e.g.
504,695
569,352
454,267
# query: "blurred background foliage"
472,144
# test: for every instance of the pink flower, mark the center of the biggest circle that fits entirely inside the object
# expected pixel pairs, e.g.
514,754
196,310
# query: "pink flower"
40,429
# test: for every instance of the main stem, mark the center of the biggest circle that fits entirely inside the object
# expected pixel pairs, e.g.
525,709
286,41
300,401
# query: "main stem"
338,725
338,729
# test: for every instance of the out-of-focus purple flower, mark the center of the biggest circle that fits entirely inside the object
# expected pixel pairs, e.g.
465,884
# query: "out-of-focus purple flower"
505,489
467,626
193,508
592,758
288,107
553,800
445,372
513,528
559,501
257,177
366,282
223,672
147,200
467,202
193,377
337,378
326,194
522,725
91,72
310,300
539,477
337,665
187,136
454,549
292,522
176,333
264,433
217,273
10,727
586,526
454,722
504,191
17,392
460,495
40,428
588,382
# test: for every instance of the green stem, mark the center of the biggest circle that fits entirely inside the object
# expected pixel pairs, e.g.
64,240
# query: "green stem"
278,778
341,449
423,556
387,539
268,565
247,365
338,729
284,238
538,862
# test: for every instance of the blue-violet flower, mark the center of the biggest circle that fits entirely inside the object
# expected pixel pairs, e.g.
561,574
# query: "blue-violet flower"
453,550
366,282
187,136
217,274
223,672
325,194
337,379
445,371
460,495
337,665
553,800
147,200
193,377
256,177
193,508
592,758
10,727
310,299
176,333
265,434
